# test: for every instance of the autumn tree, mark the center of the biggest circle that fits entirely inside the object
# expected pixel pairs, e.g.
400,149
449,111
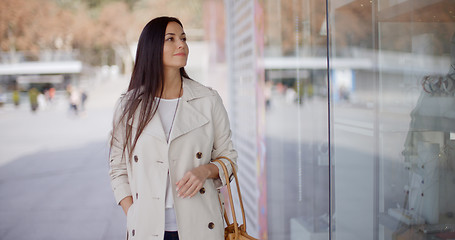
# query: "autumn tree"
117,31
20,25
95,28
35,25
189,12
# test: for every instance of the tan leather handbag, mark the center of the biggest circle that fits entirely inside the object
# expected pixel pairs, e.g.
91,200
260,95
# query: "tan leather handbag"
233,231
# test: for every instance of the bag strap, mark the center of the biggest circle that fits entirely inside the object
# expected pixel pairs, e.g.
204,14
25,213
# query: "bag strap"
234,172
226,175
231,201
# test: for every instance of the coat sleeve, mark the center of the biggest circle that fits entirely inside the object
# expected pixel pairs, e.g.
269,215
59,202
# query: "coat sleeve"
117,159
222,144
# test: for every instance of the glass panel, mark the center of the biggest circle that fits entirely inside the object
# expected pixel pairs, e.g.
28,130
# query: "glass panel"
392,82
296,119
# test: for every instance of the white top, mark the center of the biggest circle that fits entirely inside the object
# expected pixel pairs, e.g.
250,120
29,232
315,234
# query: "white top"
166,111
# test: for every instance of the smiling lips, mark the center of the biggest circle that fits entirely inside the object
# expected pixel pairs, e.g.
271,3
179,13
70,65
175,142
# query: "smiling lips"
180,54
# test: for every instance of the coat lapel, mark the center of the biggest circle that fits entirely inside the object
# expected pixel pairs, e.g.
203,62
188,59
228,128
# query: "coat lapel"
187,117
153,128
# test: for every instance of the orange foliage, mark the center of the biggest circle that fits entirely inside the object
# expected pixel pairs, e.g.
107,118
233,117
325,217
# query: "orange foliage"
33,25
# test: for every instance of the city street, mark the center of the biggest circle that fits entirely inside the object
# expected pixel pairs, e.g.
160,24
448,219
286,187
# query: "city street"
54,171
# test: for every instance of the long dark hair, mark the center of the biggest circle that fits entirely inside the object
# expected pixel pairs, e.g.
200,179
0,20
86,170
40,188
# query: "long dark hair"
147,81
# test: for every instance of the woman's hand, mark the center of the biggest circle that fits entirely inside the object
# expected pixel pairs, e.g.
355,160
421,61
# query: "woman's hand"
194,179
126,203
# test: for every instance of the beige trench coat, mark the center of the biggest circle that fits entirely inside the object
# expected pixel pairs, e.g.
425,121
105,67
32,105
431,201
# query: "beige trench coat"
200,133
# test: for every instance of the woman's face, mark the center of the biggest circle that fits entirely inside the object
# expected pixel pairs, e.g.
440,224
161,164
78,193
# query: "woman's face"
175,50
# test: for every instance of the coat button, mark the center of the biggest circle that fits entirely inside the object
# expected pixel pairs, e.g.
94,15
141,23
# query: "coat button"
137,195
133,232
211,225
199,155
202,190
136,158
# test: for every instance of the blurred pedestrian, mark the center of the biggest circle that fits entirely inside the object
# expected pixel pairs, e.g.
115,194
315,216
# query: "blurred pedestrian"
51,93
268,93
33,96
42,102
16,98
75,100
167,130
290,95
83,99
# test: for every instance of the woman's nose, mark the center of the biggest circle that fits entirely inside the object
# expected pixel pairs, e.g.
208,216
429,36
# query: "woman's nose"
181,44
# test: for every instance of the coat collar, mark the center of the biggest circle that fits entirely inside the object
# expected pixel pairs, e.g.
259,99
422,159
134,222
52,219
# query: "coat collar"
187,117
194,90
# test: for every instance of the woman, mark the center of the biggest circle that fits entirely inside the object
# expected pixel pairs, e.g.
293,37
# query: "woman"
167,129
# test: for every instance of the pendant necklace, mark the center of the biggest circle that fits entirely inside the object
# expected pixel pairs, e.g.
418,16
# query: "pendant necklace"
175,113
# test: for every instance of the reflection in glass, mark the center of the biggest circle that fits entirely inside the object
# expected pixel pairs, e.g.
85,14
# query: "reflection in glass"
296,119
393,118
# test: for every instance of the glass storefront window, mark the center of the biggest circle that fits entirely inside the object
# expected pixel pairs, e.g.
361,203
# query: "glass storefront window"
296,119
356,116
393,117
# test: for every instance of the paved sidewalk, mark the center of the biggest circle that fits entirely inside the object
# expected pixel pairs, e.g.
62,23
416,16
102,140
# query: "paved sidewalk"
54,171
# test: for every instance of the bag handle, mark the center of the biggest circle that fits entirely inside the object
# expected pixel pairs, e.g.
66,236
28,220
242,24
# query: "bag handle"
231,201
234,172
226,175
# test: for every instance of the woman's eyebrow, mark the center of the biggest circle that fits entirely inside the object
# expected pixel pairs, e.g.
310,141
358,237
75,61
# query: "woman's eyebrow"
183,33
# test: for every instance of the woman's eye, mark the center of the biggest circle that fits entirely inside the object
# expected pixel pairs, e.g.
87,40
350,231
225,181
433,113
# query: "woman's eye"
184,39
170,39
